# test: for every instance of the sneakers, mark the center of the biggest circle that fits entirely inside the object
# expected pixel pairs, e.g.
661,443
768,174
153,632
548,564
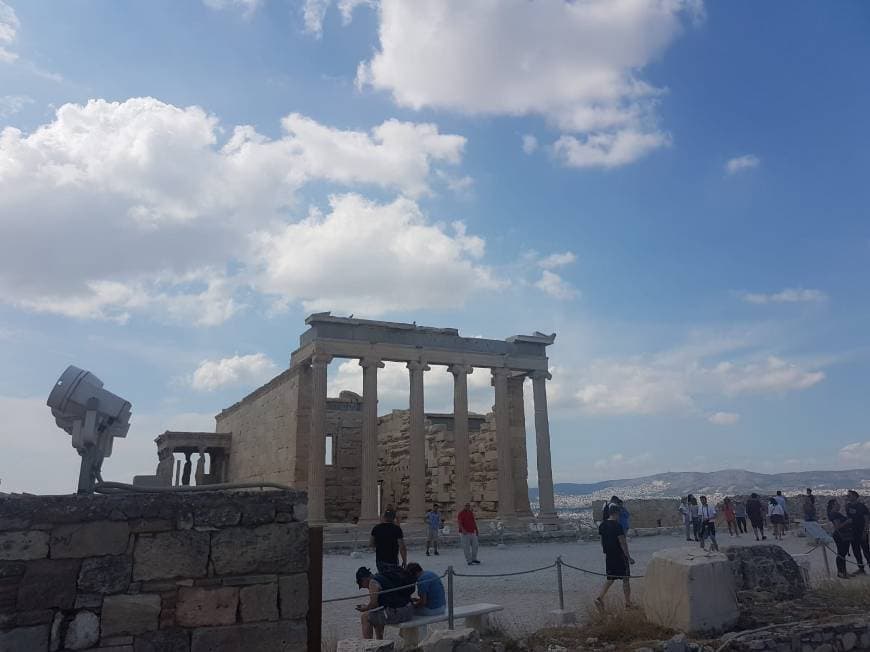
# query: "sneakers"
436,553
475,561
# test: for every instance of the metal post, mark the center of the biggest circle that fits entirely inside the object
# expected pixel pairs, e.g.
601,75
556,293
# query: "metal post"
825,557
559,579
450,597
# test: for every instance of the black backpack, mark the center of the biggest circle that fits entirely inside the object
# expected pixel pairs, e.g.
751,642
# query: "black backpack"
393,579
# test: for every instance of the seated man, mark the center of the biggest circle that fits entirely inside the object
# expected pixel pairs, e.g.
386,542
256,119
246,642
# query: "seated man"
383,608
430,600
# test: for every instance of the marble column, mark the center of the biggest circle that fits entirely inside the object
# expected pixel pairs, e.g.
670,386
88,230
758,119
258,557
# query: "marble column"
462,463
317,441
506,503
417,455
368,513
542,441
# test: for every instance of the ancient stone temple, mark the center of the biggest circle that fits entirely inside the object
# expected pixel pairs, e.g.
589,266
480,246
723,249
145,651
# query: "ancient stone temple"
283,431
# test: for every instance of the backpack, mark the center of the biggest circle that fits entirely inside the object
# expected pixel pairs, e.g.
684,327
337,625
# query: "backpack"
392,579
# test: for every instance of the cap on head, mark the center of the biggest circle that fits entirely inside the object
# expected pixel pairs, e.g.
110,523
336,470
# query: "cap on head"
852,493
362,573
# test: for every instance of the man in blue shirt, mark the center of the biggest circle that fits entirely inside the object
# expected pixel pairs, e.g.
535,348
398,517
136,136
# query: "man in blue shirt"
430,592
433,525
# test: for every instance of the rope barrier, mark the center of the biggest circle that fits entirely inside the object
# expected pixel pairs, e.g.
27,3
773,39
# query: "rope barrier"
589,572
397,588
525,572
837,555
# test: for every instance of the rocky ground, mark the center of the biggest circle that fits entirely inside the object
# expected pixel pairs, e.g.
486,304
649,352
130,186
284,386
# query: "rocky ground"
527,599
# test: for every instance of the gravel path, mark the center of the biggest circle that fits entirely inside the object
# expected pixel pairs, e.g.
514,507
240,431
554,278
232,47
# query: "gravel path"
527,598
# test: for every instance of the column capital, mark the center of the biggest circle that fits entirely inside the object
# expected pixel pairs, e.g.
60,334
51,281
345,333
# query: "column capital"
541,374
457,369
365,363
321,359
501,371
418,365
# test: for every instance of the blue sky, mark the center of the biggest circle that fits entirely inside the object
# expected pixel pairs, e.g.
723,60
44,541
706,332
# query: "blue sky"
676,188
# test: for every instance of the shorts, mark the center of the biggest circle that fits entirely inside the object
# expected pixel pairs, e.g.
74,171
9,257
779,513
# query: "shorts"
777,519
616,567
425,611
391,615
757,522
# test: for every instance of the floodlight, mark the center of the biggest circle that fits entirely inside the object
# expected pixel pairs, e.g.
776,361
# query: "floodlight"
92,415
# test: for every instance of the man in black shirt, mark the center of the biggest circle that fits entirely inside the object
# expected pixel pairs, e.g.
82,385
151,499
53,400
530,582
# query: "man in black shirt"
857,512
388,541
753,510
616,557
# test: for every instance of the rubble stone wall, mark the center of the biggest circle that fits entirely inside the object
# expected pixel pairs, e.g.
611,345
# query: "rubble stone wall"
186,572
343,472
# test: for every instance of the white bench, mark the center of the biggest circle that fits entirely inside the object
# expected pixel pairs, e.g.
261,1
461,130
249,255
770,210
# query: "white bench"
475,616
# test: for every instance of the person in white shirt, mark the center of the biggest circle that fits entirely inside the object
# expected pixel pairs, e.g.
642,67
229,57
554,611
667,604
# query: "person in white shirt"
707,514
777,516
781,500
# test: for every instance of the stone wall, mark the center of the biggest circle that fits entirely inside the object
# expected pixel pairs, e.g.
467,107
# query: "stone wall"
263,427
394,450
191,572
845,635
344,424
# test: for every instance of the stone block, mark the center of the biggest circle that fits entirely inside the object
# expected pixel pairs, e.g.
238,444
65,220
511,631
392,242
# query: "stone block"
48,583
25,639
89,539
281,636
258,513
689,592
293,591
109,574
199,607
30,544
363,645
173,639
171,554
83,631
130,614
272,548
151,525
456,640
220,515
89,600
259,602
766,568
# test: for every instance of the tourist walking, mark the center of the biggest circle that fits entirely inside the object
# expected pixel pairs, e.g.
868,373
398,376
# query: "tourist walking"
693,514
755,512
707,514
740,515
730,517
777,516
384,608
468,534
388,540
810,506
434,522
687,518
430,600
857,512
842,535
782,503
617,561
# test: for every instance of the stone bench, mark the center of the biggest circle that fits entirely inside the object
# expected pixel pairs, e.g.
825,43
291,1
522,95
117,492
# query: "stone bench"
476,616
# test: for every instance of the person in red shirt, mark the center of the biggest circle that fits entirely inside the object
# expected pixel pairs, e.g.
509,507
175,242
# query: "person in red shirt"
468,534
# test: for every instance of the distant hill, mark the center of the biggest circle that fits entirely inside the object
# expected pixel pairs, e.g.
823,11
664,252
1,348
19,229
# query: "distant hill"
728,481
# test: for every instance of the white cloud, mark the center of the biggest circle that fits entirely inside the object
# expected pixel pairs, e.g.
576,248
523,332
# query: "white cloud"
12,104
530,143
724,418
557,260
576,64
38,458
169,209
382,257
314,12
9,26
240,370
608,150
678,381
856,453
621,463
555,286
789,295
740,163
248,6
